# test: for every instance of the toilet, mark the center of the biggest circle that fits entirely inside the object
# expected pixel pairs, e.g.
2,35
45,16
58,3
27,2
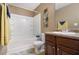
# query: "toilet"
39,45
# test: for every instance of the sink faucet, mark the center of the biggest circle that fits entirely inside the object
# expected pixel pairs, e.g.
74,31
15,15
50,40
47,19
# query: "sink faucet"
64,30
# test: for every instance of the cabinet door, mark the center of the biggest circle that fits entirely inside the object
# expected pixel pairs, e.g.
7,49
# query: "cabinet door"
50,49
65,53
61,52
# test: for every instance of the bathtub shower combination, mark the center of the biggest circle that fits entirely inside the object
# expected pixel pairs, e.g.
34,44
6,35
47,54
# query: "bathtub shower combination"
22,34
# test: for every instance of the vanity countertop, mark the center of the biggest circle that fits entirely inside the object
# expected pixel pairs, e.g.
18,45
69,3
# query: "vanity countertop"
73,36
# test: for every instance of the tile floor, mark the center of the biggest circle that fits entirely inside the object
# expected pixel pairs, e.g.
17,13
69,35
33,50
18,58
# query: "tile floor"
27,52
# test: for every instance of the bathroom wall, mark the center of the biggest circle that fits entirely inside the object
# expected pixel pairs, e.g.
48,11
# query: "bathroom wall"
51,16
69,13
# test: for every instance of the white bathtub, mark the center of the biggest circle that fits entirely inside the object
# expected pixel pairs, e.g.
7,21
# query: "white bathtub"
15,46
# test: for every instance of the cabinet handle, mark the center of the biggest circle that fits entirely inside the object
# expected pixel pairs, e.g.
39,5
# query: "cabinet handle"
53,47
58,49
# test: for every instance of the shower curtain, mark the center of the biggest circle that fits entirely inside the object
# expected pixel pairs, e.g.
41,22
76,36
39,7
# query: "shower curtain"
4,26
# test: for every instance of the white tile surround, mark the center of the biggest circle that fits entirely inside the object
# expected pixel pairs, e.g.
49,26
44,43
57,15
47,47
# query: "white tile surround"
21,33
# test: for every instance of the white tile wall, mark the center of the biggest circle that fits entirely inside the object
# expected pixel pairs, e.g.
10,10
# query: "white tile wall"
21,32
37,24
21,26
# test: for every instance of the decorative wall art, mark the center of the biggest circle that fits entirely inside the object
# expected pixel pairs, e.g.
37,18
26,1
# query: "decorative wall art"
45,18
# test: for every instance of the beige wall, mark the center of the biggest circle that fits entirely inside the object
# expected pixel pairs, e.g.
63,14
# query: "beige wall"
69,13
21,11
51,19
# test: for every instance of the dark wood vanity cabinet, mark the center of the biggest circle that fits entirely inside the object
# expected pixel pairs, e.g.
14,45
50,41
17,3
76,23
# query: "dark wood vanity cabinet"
50,45
57,45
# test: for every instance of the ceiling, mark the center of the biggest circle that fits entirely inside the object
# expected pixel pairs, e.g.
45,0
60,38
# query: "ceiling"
32,6
28,6
60,5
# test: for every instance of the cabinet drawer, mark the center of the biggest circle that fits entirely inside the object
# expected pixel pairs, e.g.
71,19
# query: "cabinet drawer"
50,38
71,43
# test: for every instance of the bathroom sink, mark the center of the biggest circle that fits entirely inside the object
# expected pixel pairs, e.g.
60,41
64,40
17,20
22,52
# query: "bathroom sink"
65,33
